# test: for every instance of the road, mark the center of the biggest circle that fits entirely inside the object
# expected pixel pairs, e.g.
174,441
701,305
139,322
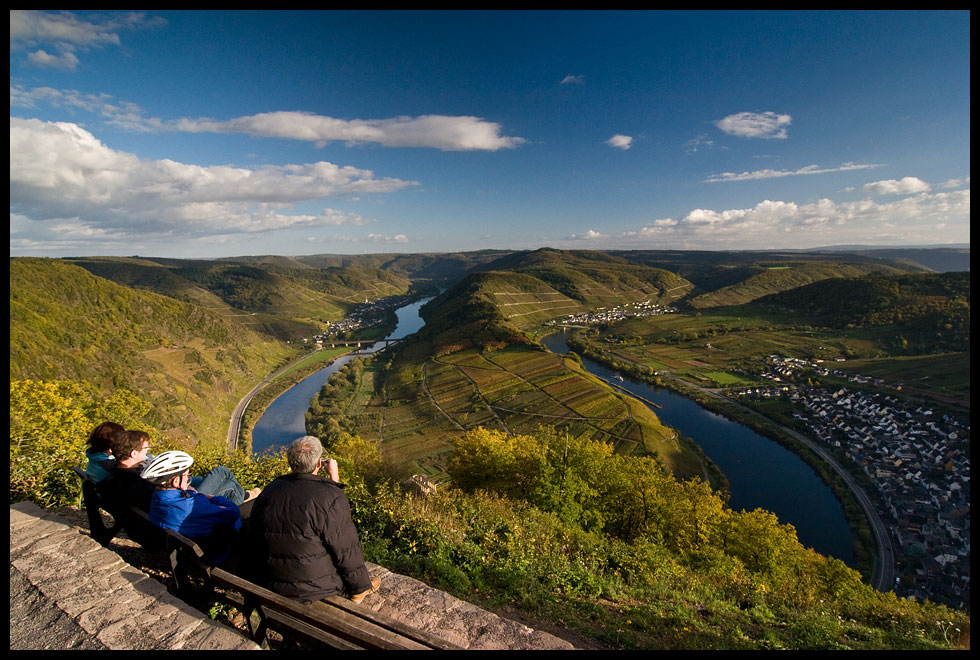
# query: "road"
883,571
235,423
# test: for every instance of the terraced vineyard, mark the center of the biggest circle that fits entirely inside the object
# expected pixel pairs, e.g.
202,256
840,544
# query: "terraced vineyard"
417,410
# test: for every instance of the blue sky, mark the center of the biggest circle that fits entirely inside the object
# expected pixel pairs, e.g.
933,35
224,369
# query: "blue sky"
210,134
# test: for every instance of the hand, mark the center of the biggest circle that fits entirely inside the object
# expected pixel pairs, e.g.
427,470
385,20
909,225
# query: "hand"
333,470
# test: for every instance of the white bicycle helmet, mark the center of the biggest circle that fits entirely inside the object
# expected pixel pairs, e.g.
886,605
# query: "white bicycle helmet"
166,464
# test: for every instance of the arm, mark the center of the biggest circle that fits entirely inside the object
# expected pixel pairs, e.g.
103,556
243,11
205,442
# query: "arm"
343,545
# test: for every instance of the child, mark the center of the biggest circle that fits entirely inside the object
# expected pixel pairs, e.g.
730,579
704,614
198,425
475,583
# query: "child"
210,519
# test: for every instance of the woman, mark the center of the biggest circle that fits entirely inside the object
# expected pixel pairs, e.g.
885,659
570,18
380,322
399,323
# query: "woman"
99,453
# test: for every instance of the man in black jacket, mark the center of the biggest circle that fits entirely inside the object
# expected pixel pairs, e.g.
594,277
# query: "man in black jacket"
302,541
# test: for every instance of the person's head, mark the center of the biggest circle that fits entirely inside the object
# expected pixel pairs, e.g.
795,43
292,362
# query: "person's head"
304,455
130,447
169,469
101,437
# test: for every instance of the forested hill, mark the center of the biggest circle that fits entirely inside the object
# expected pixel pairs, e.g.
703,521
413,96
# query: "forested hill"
190,363
750,282
277,296
929,312
595,278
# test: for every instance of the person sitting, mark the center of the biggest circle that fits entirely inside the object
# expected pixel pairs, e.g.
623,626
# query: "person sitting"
302,542
99,452
127,485
124,485
221,481
211,520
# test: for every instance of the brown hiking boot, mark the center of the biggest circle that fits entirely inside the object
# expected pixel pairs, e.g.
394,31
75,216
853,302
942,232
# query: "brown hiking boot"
375,583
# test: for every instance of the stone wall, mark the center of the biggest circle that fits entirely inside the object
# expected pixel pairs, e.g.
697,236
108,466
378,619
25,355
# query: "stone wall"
67,591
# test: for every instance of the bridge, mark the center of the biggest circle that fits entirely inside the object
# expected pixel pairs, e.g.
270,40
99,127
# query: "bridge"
358,342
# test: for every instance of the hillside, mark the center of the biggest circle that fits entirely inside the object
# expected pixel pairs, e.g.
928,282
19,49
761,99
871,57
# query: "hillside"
433,269
764,278
192,364
277,296
925,313
476,364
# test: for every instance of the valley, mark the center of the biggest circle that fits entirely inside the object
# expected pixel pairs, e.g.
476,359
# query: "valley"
688,322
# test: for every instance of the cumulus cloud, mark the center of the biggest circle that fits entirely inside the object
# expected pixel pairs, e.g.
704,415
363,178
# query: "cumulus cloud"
755,125
589,235
772,174
623,142
42,58
781,224
905,186
63,179
448,133
573,80
436,131
66,33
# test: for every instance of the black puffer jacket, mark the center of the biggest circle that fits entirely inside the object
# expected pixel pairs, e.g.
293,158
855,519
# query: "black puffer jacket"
302,541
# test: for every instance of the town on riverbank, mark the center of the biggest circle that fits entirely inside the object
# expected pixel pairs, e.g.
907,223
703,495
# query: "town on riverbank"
916,458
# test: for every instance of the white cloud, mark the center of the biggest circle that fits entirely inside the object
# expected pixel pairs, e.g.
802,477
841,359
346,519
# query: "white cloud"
779,224
436,131
772,174
956,183
66,60
623,142
66,33
695,144
755,125
573,80
64,181
905,186
591,234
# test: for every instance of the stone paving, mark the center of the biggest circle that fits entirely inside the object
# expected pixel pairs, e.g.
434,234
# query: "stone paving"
68,592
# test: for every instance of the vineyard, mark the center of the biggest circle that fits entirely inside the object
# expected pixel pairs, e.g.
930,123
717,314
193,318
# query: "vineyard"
415,410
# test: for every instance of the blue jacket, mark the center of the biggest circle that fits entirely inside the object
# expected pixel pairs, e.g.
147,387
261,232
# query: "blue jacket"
192,514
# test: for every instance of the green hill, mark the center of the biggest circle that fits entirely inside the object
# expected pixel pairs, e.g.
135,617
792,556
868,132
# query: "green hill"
475,364
926,313
277,296
764,278
192,364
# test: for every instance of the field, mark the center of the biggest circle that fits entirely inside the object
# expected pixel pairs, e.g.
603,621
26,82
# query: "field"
717,348
944,378
415,409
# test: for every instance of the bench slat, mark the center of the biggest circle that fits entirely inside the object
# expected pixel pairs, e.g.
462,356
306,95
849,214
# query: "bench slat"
337,622
387,622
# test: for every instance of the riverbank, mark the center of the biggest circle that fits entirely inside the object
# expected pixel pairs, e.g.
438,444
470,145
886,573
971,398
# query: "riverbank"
856,516
278,384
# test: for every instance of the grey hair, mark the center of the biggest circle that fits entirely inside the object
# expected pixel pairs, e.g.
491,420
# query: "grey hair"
303,454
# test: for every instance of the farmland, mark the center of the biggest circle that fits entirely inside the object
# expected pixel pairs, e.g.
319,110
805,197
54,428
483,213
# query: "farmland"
416,407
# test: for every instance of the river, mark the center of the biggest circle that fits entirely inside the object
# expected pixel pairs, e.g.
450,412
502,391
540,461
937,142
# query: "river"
285,418
761,473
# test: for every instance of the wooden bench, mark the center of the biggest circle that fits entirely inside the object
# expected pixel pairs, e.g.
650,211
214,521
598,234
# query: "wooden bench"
334,622
186,557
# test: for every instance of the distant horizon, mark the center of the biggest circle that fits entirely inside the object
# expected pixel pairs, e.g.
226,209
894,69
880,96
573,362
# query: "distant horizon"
204,133
842,248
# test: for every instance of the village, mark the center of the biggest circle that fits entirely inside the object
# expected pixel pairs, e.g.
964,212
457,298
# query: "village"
364,315
917,458
618,313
